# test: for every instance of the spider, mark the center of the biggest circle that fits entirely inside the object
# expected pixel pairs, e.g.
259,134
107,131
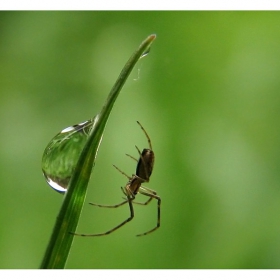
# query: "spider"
134,186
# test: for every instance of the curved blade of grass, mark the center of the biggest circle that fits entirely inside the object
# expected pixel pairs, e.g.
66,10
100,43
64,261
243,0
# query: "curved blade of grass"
61,240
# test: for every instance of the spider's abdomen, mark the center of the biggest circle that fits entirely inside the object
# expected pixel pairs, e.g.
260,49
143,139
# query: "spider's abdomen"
145,164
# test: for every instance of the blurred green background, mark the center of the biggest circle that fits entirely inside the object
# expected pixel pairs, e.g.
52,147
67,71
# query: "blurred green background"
208,94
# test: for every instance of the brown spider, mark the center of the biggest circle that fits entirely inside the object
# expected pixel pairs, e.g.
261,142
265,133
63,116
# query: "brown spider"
134,186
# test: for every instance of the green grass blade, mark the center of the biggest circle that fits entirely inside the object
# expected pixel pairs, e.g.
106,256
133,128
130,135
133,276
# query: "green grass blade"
61,240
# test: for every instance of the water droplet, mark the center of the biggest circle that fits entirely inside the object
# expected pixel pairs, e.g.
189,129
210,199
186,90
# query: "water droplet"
146,52
62,153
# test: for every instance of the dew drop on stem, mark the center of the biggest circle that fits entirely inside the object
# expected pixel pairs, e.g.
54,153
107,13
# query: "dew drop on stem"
62,153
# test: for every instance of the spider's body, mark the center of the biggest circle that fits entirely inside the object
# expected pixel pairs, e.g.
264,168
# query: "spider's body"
134,186
145,164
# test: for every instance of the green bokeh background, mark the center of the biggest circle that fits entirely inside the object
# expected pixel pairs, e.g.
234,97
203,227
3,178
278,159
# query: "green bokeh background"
208,94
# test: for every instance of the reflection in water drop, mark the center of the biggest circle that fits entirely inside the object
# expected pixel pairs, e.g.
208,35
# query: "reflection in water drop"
62,153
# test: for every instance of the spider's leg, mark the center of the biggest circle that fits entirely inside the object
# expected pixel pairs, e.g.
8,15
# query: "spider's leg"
129,200
149,200
122,172
149,192
149,140
131,157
